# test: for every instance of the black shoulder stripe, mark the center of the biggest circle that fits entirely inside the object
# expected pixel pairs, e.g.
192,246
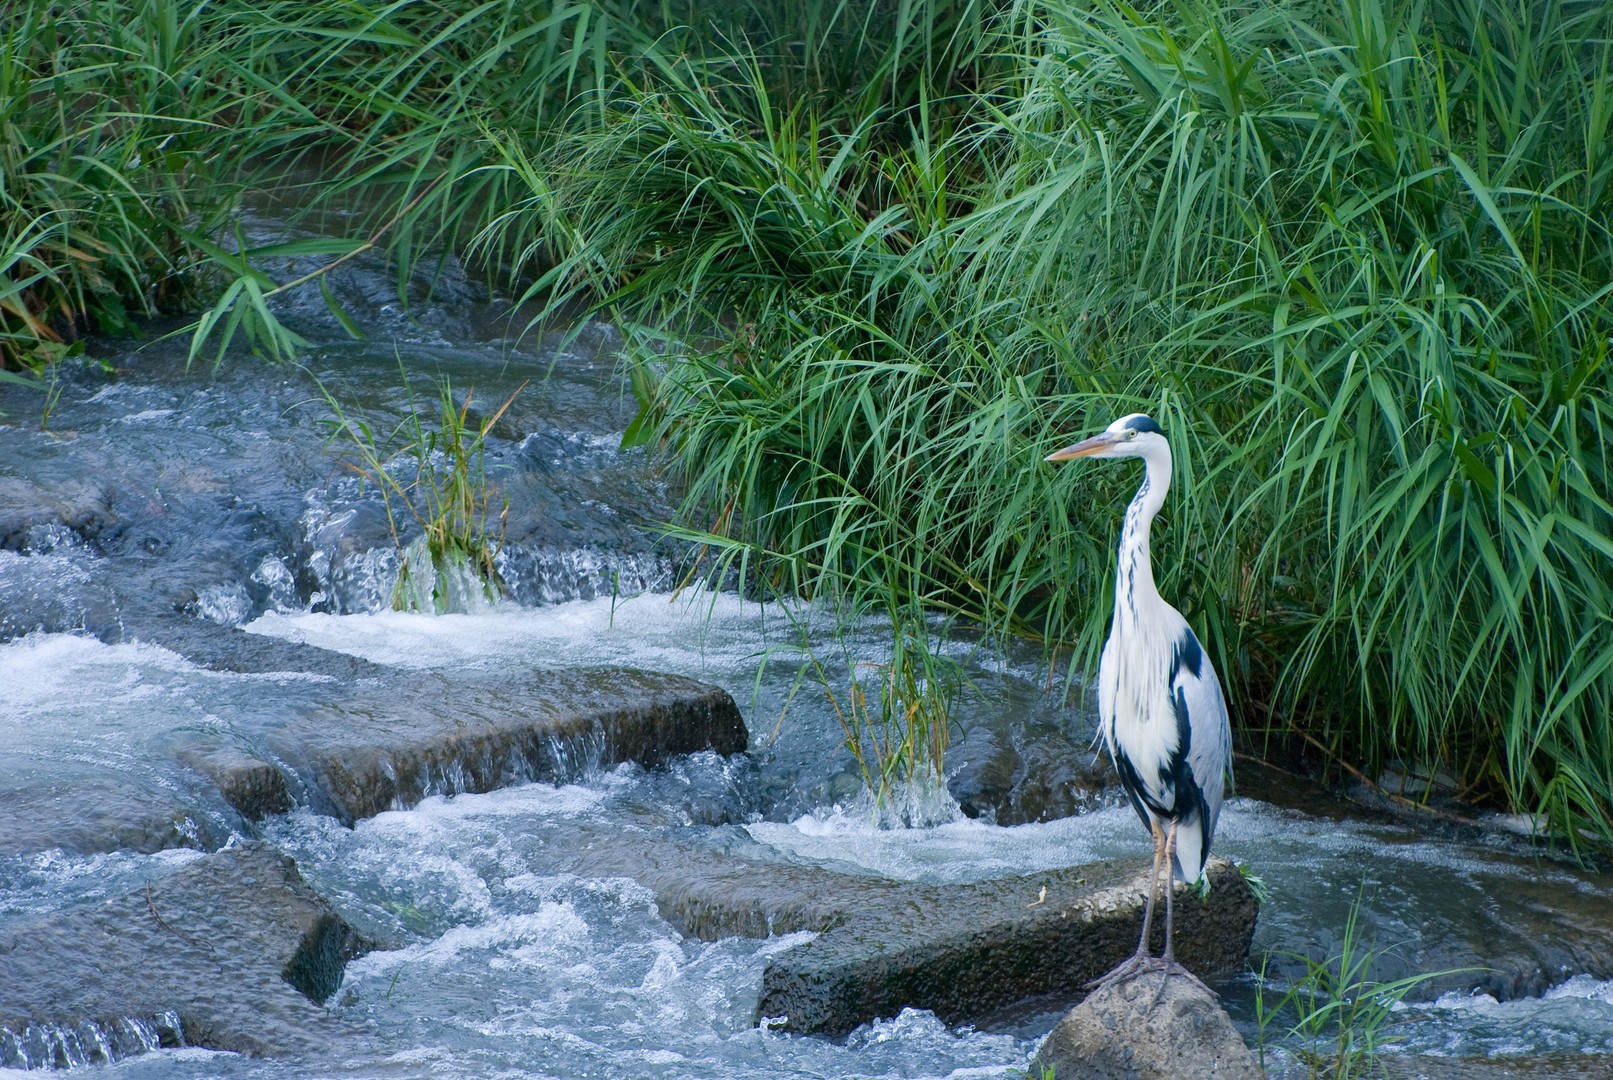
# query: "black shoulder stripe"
1178,772
1188,655
1132,783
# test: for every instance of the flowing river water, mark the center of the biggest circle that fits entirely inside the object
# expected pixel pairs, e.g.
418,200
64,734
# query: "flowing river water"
217,495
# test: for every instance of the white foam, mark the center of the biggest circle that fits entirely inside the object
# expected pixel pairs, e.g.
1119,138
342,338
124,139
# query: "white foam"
655,630
958,851
40,668
535,800
554,931
1583,986
64,691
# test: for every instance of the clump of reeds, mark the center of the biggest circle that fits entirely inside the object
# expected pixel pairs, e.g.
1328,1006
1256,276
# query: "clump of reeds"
1354,259
874,263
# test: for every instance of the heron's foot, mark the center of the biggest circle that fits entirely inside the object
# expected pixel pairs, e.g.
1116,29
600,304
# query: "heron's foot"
1137,964
1169,968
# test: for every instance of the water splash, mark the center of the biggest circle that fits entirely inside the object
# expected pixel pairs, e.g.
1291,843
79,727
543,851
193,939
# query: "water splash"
449,584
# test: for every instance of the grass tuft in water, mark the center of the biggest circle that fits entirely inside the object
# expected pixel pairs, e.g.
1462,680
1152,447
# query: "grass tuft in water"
432,477
1335,1019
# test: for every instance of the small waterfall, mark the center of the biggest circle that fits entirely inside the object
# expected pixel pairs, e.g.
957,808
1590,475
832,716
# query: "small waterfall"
439,586
52,1046
347,562
551,758
537,576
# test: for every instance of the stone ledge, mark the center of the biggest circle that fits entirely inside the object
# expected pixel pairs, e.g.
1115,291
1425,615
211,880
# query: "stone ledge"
230,952
445,739
966,951
379,739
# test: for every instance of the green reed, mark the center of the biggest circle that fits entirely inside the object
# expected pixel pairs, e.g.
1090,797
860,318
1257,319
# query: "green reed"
440,504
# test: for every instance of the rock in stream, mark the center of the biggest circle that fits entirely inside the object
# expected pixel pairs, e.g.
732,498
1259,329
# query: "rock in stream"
232,952
1151,1027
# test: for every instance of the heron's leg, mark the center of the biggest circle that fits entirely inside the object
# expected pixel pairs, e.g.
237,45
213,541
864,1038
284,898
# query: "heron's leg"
1169,955
1153,891
1167,960
1140,960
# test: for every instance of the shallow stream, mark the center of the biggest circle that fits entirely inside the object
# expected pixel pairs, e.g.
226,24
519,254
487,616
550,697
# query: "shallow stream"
218,496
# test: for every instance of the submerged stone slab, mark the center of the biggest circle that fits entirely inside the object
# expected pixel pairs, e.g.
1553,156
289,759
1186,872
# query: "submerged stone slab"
227,648
710,894
101,812
231,952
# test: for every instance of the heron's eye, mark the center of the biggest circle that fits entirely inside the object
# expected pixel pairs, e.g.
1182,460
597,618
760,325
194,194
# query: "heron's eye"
1131,433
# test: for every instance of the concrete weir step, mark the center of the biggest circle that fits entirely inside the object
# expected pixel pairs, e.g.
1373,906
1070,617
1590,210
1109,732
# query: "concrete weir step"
358,756
966,951
231,951
395,737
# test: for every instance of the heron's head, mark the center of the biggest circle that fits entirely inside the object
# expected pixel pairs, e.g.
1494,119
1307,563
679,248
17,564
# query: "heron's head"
1130,436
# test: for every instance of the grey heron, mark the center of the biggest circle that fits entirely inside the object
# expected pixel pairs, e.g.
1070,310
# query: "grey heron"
1160,706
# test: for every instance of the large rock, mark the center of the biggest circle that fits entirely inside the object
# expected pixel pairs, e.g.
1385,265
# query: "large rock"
232,952
1147,1028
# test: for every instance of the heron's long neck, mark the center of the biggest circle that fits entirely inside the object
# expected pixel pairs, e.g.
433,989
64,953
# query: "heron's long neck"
1135,593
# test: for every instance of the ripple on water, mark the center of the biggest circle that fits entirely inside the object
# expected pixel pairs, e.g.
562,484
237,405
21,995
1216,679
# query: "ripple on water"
1575,1017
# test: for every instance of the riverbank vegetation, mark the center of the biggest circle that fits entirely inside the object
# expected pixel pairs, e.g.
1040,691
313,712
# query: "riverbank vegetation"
874,261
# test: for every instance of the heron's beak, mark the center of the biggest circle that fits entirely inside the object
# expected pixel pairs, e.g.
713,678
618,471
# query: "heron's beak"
1083,449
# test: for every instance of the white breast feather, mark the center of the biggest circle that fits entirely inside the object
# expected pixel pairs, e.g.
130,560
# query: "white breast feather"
1140,717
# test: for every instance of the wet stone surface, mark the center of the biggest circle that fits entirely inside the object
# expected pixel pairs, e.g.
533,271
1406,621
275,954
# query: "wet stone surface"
34,515
1531,1067
232,952
106,812
1032,774
966,951
1151,1027
228,648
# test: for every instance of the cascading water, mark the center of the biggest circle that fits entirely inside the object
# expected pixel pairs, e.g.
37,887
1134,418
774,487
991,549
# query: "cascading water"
163,494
